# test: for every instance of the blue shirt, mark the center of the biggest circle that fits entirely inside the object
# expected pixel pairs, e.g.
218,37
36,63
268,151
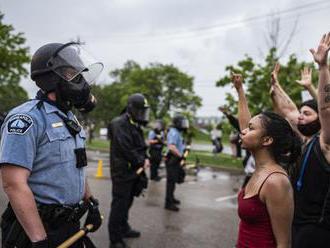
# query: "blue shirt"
174,137
152,136
38,140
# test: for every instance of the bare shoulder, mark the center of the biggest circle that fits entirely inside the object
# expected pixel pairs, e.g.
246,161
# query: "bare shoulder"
276,187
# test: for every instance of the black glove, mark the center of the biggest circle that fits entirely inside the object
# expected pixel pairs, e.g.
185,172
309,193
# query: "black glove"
94,215
41,244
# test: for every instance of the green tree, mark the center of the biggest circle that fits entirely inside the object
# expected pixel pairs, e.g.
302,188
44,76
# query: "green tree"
13,56
257,80
165,86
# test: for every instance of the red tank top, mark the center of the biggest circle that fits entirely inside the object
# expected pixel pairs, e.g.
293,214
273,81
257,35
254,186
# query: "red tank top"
255,229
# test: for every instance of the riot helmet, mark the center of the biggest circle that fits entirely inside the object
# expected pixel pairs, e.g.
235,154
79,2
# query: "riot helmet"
67,70
138,108
180,122
159,126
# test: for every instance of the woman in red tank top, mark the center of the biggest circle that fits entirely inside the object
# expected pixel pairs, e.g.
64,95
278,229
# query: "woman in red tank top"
265,203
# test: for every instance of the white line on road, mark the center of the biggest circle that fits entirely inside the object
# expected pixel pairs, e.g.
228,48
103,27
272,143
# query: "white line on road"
225,198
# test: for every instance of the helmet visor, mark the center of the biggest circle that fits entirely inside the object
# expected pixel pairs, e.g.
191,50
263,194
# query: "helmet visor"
185,124
143,115
72,60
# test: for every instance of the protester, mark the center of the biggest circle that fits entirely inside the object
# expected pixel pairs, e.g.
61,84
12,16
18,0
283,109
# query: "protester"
311,179
265,204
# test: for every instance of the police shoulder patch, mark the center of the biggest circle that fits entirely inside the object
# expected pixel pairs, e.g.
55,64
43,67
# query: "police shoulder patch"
19,124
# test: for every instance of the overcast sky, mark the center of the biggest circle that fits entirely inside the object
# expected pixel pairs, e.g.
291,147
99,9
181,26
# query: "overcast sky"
200,37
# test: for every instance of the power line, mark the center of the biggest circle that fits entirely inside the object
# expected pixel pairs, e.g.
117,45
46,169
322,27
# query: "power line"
216,27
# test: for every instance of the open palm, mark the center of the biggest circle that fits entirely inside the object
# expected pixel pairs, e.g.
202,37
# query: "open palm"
306,77
321,53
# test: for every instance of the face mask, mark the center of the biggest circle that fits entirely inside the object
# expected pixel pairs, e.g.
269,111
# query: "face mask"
310,128
87,106
70,94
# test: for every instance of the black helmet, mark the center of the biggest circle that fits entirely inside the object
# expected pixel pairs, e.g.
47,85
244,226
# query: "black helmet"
66,70
180,122
41,73
159,126
138,108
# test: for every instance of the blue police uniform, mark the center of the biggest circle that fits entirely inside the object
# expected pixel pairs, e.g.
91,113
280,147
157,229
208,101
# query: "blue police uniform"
33,136
173,166
152,136
174,137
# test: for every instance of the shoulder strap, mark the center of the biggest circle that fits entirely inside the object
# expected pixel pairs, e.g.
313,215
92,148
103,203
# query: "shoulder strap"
262,184
299,183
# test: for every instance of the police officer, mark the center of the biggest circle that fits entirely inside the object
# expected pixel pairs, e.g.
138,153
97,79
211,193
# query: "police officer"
2,118
127,156
156,140
42,153
175,145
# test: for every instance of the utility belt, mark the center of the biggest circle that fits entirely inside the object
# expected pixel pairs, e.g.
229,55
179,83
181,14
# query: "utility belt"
56,215
171,158
156,147
53,217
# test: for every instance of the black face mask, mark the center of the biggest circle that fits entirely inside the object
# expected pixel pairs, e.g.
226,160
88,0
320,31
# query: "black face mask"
87,106
69,94
310,128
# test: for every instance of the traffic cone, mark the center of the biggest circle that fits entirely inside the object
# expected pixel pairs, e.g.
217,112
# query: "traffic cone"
99,172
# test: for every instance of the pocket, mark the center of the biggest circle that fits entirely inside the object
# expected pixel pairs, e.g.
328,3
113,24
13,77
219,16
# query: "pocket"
81,138
61,145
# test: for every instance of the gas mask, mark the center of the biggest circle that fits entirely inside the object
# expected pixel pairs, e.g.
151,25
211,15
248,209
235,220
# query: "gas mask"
75,75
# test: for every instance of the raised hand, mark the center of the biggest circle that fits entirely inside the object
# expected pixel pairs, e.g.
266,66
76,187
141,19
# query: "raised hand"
223,109
306,77
276,70
237,80
321,53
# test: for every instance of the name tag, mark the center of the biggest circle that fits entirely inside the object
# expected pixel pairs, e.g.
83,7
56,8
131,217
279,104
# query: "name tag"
57,124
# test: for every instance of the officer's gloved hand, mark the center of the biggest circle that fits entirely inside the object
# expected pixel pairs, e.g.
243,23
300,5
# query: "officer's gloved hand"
41,244
94,216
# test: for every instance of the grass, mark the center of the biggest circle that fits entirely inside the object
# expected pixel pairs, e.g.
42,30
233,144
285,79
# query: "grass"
215,160
99,144
205,158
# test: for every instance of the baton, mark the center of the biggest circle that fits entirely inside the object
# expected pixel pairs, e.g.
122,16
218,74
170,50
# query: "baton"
139,171
78,235
185,155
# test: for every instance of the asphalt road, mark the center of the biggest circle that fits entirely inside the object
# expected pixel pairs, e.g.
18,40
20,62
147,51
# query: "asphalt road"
207,217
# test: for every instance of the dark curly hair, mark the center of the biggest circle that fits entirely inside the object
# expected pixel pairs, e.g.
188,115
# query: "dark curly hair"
286,146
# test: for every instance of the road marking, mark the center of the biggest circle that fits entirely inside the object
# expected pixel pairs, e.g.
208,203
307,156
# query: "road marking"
225,198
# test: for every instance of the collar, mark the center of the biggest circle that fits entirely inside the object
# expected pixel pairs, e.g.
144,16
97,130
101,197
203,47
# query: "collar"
50,108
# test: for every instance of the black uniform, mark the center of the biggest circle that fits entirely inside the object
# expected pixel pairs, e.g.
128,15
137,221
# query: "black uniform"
155,151
127,155
311,224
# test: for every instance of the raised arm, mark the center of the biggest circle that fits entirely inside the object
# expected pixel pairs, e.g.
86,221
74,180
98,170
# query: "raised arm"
244,114
321,58
233,121
306,81
283,104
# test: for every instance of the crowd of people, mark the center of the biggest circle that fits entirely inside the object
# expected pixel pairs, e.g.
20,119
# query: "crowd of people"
284,201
